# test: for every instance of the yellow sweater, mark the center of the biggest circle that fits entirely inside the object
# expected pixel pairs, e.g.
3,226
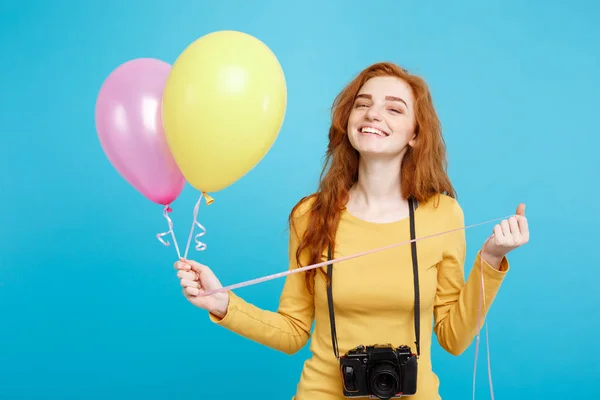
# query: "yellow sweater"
374,298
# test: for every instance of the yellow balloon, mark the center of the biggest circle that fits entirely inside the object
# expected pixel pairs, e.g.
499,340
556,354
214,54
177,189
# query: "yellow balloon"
223,107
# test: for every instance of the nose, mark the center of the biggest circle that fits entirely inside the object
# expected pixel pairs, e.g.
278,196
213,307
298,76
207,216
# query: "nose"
373,114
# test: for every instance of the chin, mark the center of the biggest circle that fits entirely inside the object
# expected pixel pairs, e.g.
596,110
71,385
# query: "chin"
371,145
374,151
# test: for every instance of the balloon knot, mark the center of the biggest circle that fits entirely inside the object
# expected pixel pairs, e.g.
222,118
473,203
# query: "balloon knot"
168,209
209,200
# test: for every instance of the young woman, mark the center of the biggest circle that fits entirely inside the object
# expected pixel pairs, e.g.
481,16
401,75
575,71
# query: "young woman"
384,182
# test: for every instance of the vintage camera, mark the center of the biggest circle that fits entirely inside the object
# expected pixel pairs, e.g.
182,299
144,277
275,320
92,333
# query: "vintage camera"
379,371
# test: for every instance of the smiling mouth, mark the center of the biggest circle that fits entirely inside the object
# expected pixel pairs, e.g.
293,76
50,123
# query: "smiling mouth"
373,131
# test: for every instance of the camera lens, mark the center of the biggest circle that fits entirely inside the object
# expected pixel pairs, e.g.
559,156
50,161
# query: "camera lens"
385,382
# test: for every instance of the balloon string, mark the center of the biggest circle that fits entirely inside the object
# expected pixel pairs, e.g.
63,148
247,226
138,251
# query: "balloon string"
487,339
337,260
159,236
200,246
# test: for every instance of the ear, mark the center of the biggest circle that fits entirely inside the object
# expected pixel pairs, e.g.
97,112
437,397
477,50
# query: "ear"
413,141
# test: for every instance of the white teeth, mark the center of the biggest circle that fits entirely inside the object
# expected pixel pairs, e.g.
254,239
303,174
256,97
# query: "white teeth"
373,130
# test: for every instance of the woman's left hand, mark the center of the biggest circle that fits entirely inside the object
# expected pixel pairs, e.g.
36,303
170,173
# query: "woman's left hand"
508,235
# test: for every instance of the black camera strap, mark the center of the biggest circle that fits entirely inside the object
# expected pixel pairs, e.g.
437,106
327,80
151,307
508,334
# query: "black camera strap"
417,313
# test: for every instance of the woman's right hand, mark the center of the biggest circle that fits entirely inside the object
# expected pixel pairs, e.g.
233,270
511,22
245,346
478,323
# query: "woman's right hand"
195,279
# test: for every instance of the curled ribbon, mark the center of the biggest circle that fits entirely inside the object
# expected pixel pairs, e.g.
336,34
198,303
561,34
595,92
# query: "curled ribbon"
200,246
159,236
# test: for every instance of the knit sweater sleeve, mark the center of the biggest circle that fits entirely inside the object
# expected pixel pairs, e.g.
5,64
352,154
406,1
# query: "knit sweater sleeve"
457,312
288,329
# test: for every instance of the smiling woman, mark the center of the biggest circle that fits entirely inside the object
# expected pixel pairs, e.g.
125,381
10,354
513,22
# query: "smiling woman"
384,182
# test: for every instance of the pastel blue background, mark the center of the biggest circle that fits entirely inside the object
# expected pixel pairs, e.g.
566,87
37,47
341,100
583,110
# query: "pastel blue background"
90,306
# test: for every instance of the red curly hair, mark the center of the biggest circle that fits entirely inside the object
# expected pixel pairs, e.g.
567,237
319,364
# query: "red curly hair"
423,170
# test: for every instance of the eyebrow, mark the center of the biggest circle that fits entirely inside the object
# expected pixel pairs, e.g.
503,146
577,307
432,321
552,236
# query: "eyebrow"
389,98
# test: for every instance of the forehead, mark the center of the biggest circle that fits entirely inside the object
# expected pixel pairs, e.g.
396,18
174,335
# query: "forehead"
382,86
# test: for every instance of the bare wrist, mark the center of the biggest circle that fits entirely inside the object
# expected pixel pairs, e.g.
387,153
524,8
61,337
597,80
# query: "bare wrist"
221,310
218,313
493,261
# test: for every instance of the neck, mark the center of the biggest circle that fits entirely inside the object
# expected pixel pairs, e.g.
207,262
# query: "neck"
377,195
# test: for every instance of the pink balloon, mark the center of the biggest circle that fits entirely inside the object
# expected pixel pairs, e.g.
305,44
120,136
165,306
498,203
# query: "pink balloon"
129,126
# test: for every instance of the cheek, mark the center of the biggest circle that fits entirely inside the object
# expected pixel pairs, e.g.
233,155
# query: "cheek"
402,127
349,124
356,115
353,120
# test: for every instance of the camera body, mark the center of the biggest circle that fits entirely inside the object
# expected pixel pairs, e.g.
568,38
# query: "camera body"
379,371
